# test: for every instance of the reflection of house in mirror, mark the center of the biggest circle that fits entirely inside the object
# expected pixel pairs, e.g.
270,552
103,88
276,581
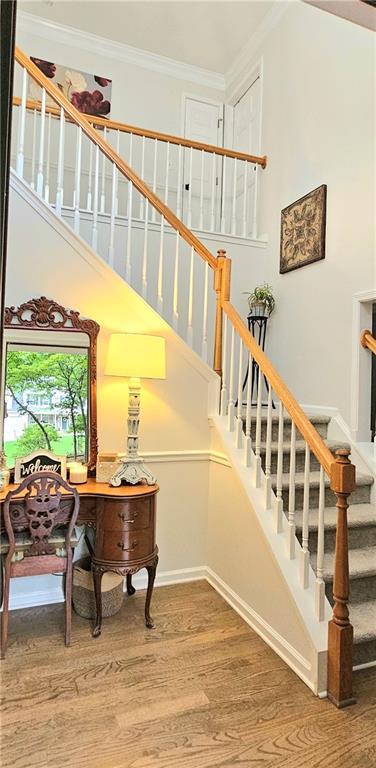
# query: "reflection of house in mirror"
43,406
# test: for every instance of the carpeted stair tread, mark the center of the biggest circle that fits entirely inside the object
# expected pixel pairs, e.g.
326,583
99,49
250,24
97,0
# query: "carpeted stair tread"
314,480
363,619
319,419
300,445
362,563
359,515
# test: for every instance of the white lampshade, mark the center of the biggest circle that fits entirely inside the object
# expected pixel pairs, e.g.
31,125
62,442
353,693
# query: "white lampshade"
137,356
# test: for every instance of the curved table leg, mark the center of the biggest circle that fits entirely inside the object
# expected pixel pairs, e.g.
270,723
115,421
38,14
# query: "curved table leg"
97,577
130,588
151,569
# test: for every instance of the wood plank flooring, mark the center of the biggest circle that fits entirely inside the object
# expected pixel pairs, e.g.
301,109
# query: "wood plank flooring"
201,690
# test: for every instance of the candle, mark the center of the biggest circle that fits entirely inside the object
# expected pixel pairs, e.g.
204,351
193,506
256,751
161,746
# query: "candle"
78,473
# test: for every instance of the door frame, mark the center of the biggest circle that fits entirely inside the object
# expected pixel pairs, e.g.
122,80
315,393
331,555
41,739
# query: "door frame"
203,100
236,93
361,367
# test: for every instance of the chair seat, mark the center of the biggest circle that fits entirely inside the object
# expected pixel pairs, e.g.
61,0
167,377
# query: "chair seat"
24,541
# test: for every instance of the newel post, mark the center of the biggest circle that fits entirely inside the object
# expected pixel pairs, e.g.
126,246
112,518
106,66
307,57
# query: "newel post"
222,290
340,631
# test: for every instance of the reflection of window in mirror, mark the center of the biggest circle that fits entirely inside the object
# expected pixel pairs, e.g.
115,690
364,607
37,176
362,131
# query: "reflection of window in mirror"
46,400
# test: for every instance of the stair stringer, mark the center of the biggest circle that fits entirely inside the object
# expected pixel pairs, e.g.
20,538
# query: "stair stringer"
313,667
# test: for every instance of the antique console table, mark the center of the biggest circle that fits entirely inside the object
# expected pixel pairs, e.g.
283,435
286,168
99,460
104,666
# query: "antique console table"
124,522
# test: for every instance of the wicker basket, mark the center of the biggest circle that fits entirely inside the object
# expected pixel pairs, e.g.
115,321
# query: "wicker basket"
83,590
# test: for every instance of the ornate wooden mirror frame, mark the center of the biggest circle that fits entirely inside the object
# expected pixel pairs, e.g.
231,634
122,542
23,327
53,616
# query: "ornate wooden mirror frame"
47,315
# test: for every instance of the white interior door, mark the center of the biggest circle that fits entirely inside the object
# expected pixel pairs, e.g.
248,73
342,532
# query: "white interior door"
203,122
246,138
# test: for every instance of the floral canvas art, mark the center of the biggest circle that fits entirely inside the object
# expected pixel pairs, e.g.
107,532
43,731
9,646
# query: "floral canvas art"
90,94
303,231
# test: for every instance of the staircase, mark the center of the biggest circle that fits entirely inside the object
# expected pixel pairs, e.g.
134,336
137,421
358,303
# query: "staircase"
298,480
361,529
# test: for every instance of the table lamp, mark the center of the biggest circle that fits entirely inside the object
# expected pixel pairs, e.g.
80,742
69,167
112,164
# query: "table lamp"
136,356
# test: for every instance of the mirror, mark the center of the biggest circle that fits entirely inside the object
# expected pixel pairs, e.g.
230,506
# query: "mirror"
49,382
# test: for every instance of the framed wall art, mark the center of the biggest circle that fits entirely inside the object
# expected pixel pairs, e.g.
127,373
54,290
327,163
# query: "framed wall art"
303,226
90,94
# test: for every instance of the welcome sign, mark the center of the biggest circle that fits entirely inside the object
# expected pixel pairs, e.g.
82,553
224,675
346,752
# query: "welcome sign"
39,461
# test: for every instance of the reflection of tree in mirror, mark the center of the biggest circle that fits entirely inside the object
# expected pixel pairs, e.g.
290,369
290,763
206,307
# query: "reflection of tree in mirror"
46,403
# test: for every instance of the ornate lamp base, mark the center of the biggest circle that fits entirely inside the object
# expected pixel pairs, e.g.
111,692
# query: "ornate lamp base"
133,471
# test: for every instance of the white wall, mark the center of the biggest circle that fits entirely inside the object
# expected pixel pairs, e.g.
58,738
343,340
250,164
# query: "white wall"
140,96
174,411
318,128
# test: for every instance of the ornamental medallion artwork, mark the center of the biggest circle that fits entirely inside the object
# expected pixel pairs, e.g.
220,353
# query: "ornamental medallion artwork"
303,231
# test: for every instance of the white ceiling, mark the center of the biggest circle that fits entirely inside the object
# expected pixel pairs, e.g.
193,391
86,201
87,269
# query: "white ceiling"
206,34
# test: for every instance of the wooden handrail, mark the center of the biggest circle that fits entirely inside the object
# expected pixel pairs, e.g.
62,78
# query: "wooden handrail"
79,119
368,341
136,131
301,421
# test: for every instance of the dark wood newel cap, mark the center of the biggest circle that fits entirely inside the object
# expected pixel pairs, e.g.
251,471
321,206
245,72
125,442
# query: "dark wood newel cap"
221,252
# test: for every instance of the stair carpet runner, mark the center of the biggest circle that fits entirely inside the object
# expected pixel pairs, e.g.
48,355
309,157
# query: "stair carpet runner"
361,527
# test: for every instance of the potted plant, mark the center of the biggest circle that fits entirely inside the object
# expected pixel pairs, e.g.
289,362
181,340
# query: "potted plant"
261,301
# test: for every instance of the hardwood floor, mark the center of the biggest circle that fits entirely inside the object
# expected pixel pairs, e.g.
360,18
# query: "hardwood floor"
201,690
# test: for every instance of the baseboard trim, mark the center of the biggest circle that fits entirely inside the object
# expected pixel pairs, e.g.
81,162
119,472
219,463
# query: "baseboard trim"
33,599
366,665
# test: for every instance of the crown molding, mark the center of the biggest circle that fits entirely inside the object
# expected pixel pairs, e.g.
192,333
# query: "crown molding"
245,58
86,41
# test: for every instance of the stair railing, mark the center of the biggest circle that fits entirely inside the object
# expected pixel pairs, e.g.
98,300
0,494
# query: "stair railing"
368,341
211,188
285,486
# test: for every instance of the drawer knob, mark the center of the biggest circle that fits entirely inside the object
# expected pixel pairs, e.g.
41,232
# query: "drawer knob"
124,547
123,517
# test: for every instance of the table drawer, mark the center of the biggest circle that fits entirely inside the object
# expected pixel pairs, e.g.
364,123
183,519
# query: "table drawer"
126,516
124,545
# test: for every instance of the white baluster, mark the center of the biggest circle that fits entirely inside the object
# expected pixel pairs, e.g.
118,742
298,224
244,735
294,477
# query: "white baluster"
180,188
291,518
89,182
254,224
128,267
268,451
48,153
223,207
319,584
190,300
103,180
204,350
94,237
41,145
167,173
257,466
223,404
117,174
201,224
145,252
304,554
278,501
213,195
248,416
142,176
233,214
190,188
155,175
33,151
239,412
60,165
231,399
77,182
111,250
21,138
175,299
160,269
245,191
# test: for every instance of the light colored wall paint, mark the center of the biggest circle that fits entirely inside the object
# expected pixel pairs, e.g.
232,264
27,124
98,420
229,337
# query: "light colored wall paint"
318,127
139,96
174,412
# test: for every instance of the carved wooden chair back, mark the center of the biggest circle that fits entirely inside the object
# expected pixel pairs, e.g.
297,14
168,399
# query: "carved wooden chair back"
43,511
39,512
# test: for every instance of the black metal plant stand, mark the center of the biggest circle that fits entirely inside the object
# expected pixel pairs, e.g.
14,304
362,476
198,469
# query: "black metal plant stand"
257,327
